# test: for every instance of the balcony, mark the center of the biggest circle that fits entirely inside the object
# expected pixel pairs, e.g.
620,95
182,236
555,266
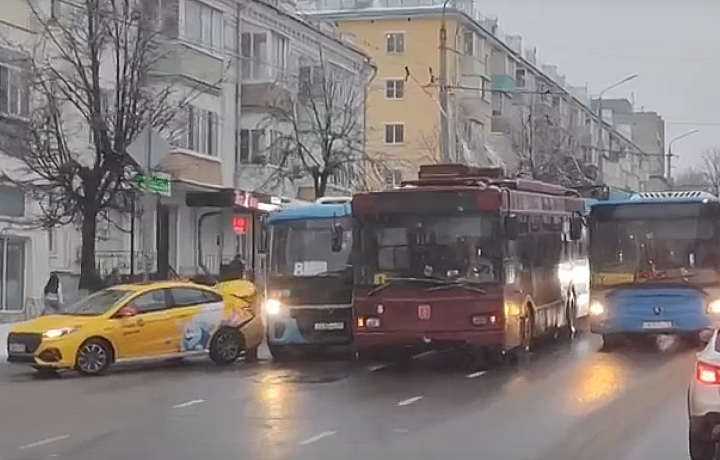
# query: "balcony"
187,60
189,165
502,82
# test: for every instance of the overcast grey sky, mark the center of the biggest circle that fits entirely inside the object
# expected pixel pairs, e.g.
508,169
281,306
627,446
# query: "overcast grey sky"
671,44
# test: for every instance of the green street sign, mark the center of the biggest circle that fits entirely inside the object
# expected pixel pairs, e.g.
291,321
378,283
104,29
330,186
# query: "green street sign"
159,183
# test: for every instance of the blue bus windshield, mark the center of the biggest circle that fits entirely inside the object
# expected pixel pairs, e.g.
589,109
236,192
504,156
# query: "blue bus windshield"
634,239
302,248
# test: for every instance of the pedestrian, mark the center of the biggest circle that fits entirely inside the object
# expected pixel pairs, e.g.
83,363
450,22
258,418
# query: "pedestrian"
113,279
52,295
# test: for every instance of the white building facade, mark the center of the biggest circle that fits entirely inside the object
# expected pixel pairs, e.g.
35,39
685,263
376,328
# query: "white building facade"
229,55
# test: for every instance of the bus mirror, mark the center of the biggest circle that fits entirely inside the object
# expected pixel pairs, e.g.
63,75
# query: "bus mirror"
511,228
337,238
576,228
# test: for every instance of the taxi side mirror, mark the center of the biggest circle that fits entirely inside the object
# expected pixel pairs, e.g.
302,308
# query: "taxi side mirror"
126,312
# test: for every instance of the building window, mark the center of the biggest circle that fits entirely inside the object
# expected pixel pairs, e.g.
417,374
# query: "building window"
393,178
55,9
201,132
469,43
12,274
394,133
252,147
254,55
14,94
203,24
497,104
311,81
280,51
395,89
395,43
520,78
485,90
12,201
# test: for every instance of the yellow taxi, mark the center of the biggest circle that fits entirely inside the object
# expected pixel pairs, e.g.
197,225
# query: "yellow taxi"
143,322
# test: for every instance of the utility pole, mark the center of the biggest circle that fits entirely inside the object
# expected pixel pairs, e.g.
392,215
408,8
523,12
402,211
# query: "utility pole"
443,88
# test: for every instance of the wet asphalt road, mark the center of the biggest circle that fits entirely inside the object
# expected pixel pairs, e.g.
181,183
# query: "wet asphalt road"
568,401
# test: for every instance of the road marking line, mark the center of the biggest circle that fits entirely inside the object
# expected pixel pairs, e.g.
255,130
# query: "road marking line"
324,434
378,367
43,442
475,375
400,430
407,402
189,403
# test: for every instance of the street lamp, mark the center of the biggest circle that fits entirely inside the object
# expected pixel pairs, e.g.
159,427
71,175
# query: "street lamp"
670,154
601,141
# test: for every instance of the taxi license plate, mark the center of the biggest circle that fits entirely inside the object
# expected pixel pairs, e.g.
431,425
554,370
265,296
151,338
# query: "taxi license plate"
657,325
17,348
329,326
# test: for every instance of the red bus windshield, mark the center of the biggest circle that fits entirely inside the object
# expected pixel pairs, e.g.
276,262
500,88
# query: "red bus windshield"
454,247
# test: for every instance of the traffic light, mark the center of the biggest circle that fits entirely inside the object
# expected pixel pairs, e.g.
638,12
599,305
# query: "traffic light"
239,225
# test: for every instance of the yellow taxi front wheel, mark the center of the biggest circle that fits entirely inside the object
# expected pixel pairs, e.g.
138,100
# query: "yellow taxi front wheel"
226,346
94,357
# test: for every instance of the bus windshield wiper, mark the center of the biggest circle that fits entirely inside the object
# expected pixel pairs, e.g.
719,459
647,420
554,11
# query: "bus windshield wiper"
457,283
433,281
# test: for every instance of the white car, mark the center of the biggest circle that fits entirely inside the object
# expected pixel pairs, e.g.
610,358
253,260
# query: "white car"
704,402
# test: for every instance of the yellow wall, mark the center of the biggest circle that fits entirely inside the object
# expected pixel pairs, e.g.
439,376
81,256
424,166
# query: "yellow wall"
419,108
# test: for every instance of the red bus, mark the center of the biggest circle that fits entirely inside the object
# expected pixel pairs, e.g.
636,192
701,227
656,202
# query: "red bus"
461,257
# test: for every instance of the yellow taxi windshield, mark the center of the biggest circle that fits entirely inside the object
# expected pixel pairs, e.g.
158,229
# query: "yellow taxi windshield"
96,304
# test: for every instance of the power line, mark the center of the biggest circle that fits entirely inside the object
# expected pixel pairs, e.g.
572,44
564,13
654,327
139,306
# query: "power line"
693,123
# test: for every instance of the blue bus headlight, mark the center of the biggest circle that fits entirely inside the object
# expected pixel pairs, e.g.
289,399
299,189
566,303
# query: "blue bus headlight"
273,307
597,309
714,307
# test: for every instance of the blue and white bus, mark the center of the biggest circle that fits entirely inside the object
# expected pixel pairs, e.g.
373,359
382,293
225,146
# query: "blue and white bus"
308,297
654,265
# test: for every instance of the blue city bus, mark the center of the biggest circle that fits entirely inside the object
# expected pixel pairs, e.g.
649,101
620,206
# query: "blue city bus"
308,298
654,266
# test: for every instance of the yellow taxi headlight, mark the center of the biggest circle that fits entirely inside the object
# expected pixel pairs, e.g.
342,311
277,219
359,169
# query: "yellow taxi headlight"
60,332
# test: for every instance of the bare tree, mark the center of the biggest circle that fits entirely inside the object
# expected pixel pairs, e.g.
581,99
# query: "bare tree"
546,150
711,169
704,177
88,70
694,178
320,131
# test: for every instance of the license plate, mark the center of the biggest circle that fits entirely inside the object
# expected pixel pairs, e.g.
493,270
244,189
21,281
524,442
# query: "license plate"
329,326
17,348
657,325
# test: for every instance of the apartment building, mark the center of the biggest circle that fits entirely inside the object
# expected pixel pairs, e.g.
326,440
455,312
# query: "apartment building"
23,251
229,59
495,85
648,131
404,124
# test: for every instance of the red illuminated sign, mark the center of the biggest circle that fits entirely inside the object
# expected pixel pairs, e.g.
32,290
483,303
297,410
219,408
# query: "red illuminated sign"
239,225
